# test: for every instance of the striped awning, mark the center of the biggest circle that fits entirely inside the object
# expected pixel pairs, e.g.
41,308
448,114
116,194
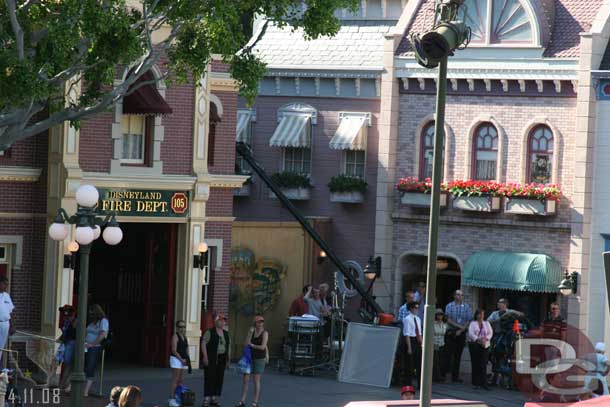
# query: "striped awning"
351,134
243,119
513,271
292,131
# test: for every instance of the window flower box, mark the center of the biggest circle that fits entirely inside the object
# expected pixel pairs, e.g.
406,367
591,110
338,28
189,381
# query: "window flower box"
245,190
294,194
421,200
477,203
347,189
294,185
524,206
347,197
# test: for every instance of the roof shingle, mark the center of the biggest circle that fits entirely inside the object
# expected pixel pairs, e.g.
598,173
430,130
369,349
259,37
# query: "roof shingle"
357,44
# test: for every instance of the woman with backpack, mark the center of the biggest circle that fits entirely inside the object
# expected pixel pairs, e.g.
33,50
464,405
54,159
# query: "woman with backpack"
97,331
216,349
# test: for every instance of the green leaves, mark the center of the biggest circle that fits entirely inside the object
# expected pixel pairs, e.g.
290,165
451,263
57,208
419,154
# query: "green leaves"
288,179
345,183
97,39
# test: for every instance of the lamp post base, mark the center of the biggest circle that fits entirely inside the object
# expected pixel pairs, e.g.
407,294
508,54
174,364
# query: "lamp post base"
78,389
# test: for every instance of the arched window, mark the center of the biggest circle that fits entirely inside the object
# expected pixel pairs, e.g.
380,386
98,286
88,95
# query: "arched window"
485,152
426,151
540,155
509,22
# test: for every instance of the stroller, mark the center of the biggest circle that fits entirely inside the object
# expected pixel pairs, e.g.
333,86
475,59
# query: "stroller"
502,352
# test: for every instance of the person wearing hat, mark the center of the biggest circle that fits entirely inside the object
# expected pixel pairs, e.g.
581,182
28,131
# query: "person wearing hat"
600,365
179,360
407,393
65,354
6,309
257,341
440,329
216,349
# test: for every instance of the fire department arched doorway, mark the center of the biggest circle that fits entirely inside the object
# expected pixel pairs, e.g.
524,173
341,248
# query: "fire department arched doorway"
134,283
411,269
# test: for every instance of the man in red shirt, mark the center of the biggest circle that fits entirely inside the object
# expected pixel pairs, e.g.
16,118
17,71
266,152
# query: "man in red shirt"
299,306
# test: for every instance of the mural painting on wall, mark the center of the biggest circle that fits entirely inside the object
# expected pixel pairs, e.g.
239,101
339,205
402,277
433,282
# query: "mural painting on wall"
255,284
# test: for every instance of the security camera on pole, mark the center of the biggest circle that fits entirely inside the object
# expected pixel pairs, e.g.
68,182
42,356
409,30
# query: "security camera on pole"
432,49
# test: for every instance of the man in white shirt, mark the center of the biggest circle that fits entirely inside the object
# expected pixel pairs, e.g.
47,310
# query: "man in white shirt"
6,308
412,335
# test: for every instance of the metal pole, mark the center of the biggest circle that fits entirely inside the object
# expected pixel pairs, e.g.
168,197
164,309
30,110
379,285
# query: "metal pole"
245,153
78,372
437,170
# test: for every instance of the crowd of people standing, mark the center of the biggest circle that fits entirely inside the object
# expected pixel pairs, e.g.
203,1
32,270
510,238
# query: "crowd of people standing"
459,326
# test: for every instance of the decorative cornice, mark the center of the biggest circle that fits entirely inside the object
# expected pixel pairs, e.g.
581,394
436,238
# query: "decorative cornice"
327,72
490,74
20,174
163,182
220,81
224,180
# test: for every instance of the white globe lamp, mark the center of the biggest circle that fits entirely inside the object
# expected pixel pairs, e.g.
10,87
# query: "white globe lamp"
84,235
112,235
97,231
59,231
202,247
87,196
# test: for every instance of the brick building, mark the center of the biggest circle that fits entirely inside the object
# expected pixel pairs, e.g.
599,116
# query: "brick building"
522,79
158,144
330,88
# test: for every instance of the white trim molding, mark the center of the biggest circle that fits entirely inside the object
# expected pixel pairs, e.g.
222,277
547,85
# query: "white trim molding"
448,142
17,242
165,182
501,140
20,174
557,147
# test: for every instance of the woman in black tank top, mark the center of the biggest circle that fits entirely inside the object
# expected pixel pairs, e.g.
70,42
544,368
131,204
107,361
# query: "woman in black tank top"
257,340
179,360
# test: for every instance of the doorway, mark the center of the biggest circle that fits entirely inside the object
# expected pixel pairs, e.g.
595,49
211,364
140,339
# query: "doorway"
448,278
134,282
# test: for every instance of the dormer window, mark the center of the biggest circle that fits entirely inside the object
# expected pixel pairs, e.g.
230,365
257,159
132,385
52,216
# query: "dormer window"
498,22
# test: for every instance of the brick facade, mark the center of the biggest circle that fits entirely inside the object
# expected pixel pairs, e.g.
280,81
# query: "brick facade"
463,233
352,229
23,214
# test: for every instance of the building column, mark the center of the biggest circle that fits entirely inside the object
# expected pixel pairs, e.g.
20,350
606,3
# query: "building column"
64,177
386,174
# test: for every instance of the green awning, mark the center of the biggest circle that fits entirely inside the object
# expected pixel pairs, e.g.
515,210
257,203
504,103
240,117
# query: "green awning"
513,271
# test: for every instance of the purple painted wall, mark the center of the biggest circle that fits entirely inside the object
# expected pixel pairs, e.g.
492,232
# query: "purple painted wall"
353,225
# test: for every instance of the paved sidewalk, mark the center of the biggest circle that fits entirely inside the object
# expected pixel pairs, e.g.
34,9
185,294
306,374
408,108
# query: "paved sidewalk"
282,390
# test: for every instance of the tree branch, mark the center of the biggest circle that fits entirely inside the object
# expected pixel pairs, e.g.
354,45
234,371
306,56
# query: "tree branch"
17,30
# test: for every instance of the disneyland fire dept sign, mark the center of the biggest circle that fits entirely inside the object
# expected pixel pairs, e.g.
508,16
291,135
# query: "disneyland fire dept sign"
134,202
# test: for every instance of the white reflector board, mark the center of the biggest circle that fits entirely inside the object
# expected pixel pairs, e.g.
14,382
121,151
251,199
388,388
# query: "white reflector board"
368,356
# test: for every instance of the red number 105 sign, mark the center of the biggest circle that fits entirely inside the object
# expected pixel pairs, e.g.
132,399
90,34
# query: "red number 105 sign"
179,202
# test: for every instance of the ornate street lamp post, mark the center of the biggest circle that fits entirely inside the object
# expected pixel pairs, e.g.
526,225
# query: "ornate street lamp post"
88,228
432,49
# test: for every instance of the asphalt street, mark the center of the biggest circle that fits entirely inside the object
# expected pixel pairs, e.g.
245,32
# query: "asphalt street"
281,390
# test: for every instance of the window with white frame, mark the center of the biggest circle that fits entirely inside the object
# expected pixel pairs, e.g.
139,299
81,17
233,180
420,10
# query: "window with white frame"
134,138
354,163
3,253
297,159
245,117
485,145
497,22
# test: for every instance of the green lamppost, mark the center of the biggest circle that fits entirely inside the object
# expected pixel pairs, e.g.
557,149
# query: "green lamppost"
88,228
432,49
